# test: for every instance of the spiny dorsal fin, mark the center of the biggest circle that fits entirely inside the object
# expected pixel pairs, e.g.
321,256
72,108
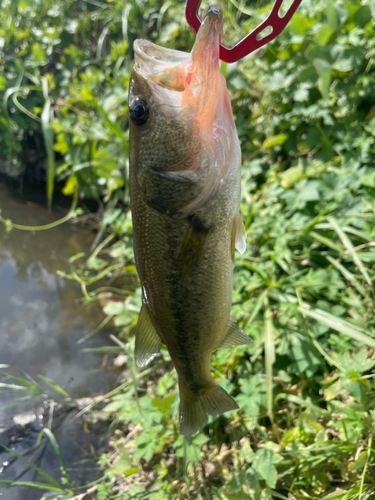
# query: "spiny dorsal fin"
147,340
234,337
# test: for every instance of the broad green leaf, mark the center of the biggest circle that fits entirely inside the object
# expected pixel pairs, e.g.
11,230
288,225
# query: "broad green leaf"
163,405
324,71
276,140
324,34
263,464
363,16
38,53
122,464
70,185
347,59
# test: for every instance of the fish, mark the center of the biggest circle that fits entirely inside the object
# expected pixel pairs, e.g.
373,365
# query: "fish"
185,190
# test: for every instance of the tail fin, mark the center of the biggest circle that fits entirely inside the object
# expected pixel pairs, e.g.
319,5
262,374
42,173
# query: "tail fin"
194,407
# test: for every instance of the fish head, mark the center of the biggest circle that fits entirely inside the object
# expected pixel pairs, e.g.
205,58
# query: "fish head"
158,123
180,114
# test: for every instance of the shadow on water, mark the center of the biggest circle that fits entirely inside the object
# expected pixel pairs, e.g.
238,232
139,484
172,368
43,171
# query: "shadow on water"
41,320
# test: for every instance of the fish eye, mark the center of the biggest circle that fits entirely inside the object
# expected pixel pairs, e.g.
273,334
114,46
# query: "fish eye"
139,111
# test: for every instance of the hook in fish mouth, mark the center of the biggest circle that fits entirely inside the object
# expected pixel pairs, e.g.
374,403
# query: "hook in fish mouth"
207,43
168,67
212,26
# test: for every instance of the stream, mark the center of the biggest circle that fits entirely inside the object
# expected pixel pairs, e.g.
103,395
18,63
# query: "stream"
41,320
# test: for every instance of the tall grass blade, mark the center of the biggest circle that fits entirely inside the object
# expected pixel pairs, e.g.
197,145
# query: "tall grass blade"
258,304
47,131
115,129
326,241
35,467
106,320
54,386
162,11
338,324
347,275
270,358
19,401
368,460
31,384
125,16
104,350
349,246
56,448
102,37
12,387
22,108
346,229
269,347
27,484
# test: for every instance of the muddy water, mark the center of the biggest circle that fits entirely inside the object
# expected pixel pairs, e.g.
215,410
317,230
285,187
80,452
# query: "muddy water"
41,320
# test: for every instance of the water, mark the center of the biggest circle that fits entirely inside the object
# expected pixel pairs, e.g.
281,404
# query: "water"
41,320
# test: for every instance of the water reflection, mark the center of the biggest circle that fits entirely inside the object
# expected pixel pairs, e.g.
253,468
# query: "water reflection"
41,316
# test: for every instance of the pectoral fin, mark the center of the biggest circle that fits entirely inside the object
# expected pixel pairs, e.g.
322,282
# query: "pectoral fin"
234,337
240,235
147,340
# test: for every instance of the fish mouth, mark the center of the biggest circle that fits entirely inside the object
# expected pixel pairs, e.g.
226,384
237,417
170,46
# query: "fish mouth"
165,67
152,55
170,68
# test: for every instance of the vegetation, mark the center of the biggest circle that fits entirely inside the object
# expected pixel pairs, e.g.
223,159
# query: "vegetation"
304,290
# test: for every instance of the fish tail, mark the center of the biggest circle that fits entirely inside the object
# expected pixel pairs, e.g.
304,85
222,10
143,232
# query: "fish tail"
194,407
192,415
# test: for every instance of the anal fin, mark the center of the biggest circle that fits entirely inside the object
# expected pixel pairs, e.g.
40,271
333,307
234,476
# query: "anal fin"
147,340
234,337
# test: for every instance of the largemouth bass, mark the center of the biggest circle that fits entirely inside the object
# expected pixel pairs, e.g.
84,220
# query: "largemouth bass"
185,163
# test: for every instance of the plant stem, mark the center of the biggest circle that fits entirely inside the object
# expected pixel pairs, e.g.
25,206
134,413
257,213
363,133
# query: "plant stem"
68,216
